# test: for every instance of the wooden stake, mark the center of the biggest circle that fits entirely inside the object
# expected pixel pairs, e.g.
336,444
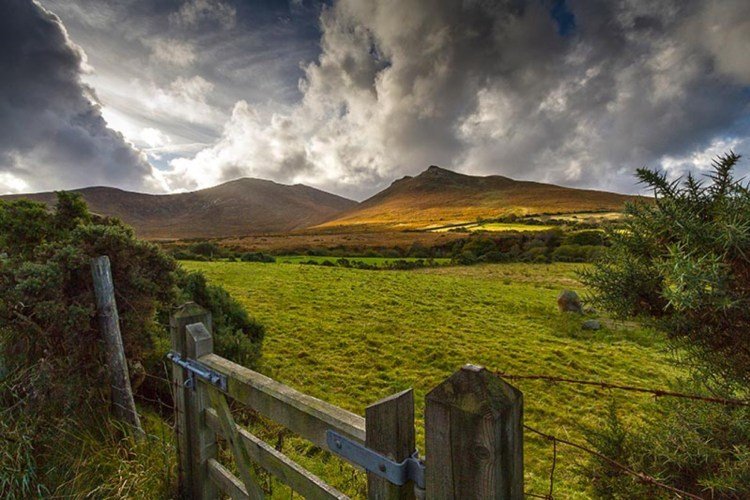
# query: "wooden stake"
109,322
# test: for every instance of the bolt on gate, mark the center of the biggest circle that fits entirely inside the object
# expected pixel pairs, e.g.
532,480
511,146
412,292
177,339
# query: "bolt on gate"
473,430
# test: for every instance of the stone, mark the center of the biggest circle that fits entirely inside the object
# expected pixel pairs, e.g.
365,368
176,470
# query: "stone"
591,324
569,301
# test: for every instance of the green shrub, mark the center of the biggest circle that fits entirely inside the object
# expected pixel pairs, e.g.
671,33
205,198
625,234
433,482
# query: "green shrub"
535,254
576,253
50,339
256,257
587,237
684,262
207,249
701,448
236,335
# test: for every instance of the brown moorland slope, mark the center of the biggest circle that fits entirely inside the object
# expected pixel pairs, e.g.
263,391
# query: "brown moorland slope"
236,208
438,197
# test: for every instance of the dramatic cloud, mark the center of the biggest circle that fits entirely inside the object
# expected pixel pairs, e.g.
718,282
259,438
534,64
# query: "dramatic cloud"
350,94
180,66
194,12
52,133
579,93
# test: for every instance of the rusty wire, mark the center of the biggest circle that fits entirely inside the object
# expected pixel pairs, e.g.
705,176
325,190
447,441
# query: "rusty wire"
640,476
608,385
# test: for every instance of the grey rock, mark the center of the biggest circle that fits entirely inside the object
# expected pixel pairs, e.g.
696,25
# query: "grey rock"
591,324
569,301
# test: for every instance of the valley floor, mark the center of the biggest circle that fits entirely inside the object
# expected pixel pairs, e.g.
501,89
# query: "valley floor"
351,337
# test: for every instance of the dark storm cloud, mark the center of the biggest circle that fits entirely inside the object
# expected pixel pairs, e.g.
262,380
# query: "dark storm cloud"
52,135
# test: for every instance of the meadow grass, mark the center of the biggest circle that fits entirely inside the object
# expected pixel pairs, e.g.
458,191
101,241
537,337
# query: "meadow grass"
351,337
493,227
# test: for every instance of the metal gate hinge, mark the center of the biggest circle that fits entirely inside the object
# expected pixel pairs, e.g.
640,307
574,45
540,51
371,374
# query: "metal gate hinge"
200,370
398,473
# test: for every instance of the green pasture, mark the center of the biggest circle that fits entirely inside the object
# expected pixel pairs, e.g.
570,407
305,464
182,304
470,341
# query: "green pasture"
496,227
352,336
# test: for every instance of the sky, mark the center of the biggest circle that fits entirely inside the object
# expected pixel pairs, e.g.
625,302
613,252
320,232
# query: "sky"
348,95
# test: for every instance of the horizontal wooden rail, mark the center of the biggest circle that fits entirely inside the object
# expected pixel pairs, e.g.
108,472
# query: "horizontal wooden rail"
286,470
226,481
302,414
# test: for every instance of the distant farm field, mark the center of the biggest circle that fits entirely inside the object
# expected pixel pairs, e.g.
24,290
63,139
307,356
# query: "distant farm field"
495,227
351,337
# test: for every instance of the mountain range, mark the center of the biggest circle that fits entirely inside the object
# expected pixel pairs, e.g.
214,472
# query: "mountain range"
436,197
235,208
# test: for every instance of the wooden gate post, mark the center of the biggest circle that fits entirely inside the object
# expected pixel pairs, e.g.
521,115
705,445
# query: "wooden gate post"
109,322
474,437
389,429
203,444
186,421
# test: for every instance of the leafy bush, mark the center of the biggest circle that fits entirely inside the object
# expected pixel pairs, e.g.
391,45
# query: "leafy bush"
236,335
684,262
535,254
256,257
207,249
701,448
576,253
587,237
54,374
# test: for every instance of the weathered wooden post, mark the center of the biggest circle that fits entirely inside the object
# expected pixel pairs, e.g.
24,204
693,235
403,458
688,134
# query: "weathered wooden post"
390,431
203,444
186,399
474,437
109,322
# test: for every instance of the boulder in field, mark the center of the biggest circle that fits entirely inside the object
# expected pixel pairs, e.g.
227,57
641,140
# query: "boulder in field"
591,324
569,301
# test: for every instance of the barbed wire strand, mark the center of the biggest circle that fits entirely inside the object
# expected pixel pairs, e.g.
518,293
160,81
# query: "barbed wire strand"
641,476
608,385
552,470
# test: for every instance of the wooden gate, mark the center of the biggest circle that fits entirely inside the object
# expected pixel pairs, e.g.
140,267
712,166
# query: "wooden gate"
473,429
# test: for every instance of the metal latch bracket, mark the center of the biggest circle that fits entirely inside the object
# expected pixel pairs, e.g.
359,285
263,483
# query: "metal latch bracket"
398,473
194,368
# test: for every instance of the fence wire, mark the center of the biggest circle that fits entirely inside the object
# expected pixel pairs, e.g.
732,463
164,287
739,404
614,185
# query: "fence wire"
608,385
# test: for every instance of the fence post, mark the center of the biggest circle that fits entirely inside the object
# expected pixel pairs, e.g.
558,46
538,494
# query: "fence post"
389,429
474,437
185,315
109,322
203,444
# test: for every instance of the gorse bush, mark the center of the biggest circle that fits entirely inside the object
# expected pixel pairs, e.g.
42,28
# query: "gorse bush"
52,368
236,335
684,263
698,447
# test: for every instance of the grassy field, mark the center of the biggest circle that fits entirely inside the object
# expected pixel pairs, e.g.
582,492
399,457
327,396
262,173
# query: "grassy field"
351,337
495,227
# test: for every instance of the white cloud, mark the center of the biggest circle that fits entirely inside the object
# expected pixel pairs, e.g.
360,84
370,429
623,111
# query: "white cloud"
184,99
193,12
172,51
699,160
10,184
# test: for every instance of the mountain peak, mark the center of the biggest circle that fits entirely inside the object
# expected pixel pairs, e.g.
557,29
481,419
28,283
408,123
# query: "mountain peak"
435,170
